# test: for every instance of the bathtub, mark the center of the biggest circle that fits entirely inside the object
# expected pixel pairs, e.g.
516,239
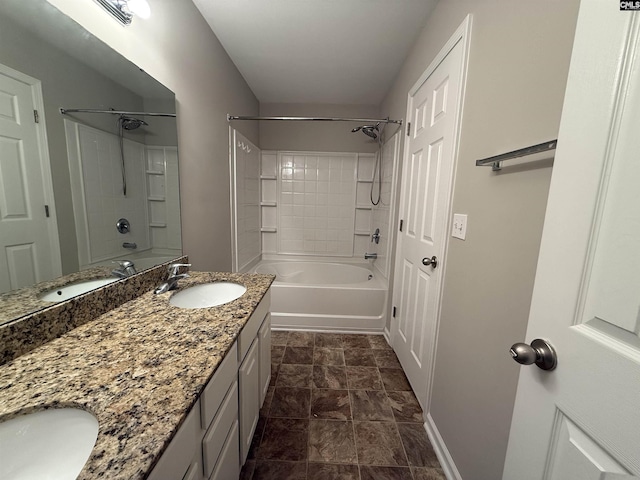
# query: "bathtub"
325,296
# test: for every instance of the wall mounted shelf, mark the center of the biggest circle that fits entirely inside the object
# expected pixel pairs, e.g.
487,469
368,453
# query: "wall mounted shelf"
496,160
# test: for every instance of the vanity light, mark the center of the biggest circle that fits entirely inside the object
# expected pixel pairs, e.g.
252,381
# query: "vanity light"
124,10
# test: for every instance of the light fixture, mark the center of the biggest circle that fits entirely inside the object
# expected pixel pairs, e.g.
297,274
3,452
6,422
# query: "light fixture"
124,10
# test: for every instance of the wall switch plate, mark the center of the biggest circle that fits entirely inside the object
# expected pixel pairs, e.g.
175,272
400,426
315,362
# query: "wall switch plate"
459,228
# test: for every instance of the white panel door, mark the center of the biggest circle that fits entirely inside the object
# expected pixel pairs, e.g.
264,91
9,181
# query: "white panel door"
581,421
426,193
29,253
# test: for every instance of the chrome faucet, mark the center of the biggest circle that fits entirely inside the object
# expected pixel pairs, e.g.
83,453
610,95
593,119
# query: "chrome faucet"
172,279
371,256
126,269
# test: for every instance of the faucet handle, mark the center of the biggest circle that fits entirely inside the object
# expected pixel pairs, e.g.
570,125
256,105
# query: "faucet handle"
123,263
175,267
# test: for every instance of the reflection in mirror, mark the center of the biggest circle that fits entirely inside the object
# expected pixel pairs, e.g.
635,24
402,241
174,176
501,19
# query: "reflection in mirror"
67,180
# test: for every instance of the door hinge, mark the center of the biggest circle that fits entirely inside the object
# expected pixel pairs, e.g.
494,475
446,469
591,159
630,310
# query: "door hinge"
401,223
393,312
46,210
36,116
408,129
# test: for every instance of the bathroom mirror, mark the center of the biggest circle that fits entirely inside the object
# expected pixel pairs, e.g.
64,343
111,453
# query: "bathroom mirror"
63,177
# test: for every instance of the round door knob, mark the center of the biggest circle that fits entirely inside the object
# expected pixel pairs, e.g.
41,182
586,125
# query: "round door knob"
433,261
539,352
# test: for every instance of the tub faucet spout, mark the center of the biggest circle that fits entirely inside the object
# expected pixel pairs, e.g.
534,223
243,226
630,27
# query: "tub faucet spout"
371,256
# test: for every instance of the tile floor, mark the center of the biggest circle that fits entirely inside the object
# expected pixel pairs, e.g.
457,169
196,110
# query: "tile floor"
339,407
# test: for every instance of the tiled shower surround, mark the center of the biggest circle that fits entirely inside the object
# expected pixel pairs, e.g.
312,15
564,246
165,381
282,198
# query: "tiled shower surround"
339,407
316,203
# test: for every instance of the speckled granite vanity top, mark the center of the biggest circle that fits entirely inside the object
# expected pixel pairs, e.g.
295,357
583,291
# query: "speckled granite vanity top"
138,368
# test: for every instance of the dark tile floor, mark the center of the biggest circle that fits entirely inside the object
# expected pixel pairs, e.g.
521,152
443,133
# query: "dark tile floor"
339,407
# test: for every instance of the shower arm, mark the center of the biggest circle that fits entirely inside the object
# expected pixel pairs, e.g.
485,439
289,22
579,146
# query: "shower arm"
314,119
66,111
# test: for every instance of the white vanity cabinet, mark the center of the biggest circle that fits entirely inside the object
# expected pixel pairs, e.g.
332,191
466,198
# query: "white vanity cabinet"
214,439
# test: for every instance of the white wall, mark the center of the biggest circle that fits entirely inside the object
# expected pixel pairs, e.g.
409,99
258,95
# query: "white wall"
177,47
517,73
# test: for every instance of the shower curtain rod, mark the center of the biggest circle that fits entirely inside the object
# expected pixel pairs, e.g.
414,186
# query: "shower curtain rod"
315,119
65,111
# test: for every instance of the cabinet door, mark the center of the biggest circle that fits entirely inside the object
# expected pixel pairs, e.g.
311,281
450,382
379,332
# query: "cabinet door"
228,466
264,335
249,382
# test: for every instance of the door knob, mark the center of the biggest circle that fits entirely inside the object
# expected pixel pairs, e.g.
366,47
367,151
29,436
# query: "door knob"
539,352
433,261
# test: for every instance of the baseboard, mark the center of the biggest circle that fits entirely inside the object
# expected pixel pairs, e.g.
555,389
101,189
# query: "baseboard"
446,461
319,329
387,335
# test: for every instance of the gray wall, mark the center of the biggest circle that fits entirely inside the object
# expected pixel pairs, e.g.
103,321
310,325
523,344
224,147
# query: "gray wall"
61,87
177,47
315,136
519,60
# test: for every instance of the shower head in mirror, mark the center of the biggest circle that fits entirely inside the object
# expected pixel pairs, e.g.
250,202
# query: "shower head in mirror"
131,123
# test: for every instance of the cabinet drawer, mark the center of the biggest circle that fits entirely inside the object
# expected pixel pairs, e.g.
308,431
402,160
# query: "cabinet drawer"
214,439
218,386
228,466
176,459
250,330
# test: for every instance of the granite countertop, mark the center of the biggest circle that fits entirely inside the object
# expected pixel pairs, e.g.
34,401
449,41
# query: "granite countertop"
138,368
17,303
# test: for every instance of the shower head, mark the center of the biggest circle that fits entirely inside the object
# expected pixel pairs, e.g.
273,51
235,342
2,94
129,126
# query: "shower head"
131,123
368,130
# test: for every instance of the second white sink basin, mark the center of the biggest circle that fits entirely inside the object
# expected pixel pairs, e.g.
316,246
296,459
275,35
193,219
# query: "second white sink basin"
50,444
207,295
74,289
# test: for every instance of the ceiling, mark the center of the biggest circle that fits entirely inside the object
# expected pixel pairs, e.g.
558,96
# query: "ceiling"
317,51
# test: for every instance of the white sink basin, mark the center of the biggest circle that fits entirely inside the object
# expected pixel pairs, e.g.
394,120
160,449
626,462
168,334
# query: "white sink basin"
74,289
50,444
207,295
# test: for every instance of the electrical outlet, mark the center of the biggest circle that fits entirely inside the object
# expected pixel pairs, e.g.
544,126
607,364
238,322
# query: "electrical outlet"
459,228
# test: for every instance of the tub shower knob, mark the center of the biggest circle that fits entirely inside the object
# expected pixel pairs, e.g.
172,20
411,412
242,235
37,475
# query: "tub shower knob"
433,261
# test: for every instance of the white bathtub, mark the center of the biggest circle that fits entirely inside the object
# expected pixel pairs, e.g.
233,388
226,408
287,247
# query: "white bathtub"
325,296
